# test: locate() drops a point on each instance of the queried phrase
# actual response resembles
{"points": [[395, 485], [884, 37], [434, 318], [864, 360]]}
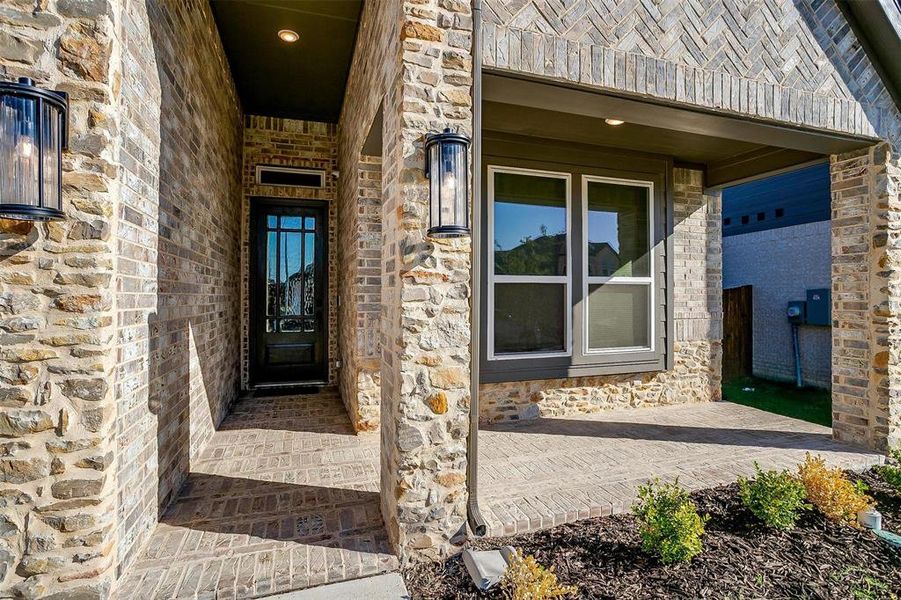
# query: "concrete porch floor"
{"points": [[541, 473], [285, 496]]}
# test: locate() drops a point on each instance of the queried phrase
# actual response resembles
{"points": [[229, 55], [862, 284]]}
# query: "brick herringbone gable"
{"points": [[799, 44], [802, 46]]}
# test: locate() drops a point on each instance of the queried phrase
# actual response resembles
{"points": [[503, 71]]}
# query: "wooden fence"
{"points": [[738, 340]]}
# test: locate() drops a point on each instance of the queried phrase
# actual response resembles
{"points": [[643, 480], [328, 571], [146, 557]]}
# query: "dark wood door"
{"points": [[737, 331], [288, 287]]}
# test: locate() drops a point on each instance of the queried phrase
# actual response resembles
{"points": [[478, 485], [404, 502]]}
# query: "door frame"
{"points": [[253, 301]]}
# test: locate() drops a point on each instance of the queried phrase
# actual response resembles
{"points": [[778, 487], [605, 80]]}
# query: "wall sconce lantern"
{"points": [[447, 167], [33, 133]]}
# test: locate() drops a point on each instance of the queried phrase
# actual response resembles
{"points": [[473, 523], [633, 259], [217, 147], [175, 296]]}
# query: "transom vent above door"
{"points": [[290, 177]]}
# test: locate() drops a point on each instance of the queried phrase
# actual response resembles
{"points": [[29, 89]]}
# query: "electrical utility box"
{"points": [[819, 307]]}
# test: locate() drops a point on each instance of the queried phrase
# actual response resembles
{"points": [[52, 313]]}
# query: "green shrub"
{"points": [[669, 523], [775, 497], [891, 473]]}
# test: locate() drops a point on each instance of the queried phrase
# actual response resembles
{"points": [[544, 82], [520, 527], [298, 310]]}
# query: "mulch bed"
{"points": [[741, 559]]}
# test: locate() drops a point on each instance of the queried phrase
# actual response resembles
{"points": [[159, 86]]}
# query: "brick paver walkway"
{"points": [[537, 474], [285, 496]]}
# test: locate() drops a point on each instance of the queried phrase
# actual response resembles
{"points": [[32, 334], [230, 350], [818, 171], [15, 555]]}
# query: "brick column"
{"points": [[866, 297], [425, 294]]}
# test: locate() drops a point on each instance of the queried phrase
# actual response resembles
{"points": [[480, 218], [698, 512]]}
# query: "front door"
{"points": [[288, 312]]}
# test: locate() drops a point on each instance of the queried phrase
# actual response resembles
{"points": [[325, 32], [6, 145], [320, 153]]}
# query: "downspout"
{"points": [[473, 515]]}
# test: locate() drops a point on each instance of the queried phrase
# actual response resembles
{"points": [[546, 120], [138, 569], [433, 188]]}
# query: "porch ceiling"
{"points": [[727, 148], [303, 80]]}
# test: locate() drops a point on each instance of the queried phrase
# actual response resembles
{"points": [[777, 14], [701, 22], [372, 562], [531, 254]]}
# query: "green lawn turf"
{"points": [[808, 404]]}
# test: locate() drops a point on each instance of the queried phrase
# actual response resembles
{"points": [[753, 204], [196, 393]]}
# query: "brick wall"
{"points": [[782, 264], [866, 277], [697, 348], [359, 287], [374, 64], [299, 144], [795, 62], [57, 477], [178, 317]]}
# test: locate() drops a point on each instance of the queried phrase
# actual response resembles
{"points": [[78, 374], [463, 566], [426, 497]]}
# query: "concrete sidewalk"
{"points": [[389, 586]]}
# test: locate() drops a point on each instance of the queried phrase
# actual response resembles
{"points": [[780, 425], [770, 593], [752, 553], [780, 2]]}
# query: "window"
{"points": [[727, 221], [745, 219], [780, 212], [761, 216], [289, 176], [575, 272], [529, 283], [618, 227]]}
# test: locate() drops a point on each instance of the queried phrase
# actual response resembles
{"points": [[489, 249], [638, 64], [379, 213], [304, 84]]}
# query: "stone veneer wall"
{"points": [[866, 279], [119, 324], [425, 319], [697, 297], [57, 482], [415, 55], [178, 317], [359, 287], [300, 144]]}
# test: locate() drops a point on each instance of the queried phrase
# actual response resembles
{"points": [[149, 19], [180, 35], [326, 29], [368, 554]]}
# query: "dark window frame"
{"points": [[579, 160]]}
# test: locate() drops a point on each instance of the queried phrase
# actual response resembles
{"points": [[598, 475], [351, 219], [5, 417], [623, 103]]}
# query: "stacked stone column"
{"points": [[425, 292], [57, 499], [866, 297]]}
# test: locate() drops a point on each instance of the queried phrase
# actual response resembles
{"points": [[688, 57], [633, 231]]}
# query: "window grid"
{"points": [[277, 228]]}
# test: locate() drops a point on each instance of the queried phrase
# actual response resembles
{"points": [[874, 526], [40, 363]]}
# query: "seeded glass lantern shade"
{"points": [[447, 167], [32, 137]]}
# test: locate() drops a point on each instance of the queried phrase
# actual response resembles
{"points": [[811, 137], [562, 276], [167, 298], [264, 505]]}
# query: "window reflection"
{"points": [[618, 230], [290, 274], [529, 225]]}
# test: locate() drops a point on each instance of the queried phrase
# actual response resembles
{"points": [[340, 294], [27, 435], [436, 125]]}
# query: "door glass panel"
{"points": [[618, 316], [271, 221], [529, 317], [292, 325], [618, 230], [310, 223], [529, 224], [272, 291], [309, 290], [292, 275], [291, 222]]}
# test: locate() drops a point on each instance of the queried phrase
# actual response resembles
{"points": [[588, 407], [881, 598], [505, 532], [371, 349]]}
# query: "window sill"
{"points": [[506, 371]]}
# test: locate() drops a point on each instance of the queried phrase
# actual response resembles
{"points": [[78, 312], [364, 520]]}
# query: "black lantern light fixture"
{"points": [[33, 132], [447, 167]]}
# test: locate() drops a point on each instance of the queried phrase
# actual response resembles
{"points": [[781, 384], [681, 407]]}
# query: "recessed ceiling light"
{"points": [[289, 36], [613, 122]]}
